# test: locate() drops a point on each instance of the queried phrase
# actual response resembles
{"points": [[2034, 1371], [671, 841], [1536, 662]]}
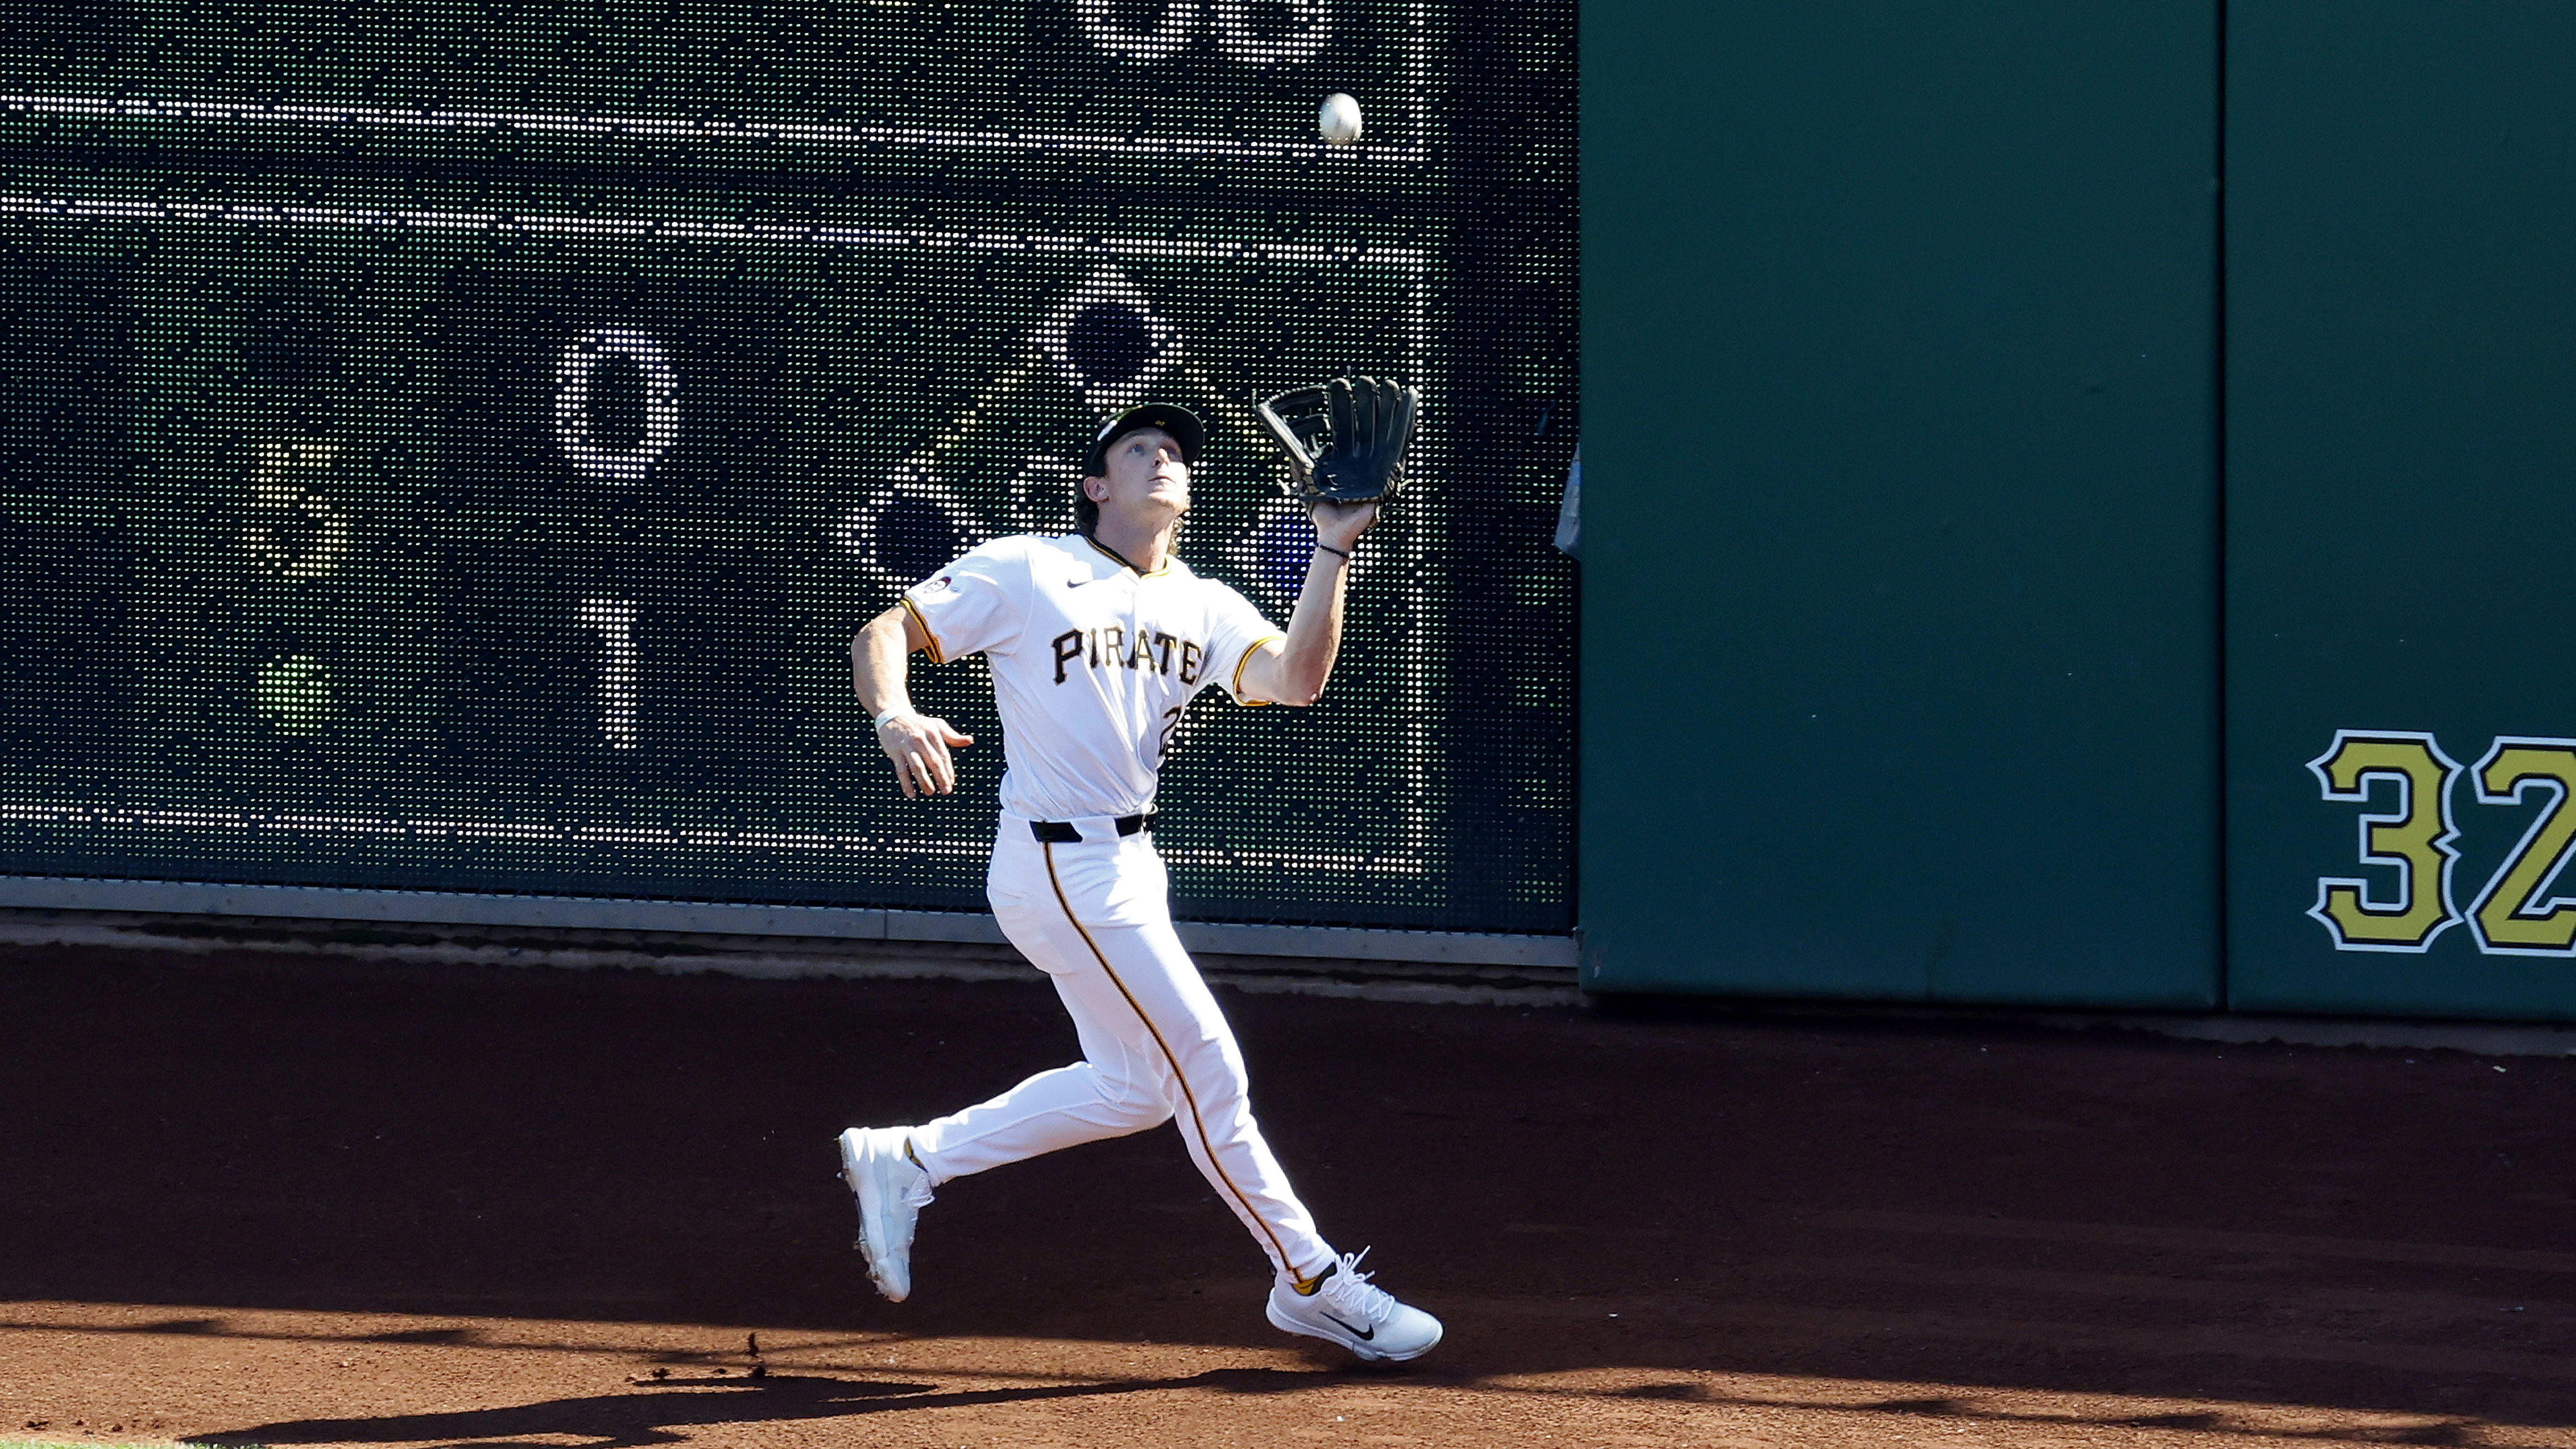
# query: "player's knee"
{"points": [[1143, 1111], [1139, 1101]]}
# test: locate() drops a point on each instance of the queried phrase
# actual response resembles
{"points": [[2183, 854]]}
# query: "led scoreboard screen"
{"points": [[450, 446]]}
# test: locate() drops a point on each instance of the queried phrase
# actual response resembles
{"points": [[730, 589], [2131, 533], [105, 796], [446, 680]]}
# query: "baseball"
{"points": [[1339, 120]]}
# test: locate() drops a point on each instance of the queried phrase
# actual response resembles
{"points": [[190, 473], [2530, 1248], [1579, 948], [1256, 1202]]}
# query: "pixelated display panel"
{"points": [[506, 531], [1236, 80]]}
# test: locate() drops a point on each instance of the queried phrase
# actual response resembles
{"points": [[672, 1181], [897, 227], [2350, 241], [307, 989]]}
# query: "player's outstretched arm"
{"points": [[1293, 671], [916, 743]]}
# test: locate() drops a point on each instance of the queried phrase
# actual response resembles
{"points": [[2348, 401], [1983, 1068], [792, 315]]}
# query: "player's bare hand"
{"points": [[1339, 525], [918, 744]]}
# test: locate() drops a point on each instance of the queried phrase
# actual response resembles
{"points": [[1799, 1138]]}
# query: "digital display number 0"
{"points": [[577, 421]]}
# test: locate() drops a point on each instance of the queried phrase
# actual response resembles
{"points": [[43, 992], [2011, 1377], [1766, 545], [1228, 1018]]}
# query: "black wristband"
{"points": [[1343, 553]]}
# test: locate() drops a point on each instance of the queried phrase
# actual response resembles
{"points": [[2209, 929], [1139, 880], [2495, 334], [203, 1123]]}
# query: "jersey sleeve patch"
{"points": [[976, 604]]}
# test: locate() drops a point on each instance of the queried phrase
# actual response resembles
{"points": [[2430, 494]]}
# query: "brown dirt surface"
{"points": [[294, 1202]]}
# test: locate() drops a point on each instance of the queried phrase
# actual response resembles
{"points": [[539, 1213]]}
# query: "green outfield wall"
{"points": [[1985, 407], [1902, 510]]}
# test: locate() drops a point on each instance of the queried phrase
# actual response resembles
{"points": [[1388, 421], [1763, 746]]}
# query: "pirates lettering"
{"points": [[1112, 647]]}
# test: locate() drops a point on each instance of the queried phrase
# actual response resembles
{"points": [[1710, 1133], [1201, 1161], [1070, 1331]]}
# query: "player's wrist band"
{"points": [[1343, 553], [889, 714]]}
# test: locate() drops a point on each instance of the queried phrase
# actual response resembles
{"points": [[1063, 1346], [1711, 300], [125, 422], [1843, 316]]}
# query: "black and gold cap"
{"points": [[1180, 422]]}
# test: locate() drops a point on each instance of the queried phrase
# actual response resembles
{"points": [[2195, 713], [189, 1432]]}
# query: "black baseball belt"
{"points": [[1064, 832]]}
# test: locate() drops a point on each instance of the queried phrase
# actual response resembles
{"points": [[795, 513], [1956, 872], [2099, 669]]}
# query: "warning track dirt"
{"points": [[274, 1200]]}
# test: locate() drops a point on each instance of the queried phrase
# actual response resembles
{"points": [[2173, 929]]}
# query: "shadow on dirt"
{"points": [[651, 1416]]}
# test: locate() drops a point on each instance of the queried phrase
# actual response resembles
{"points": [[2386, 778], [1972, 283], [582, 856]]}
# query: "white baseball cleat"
{"points": [[1355, 1313], [892, 1189]]}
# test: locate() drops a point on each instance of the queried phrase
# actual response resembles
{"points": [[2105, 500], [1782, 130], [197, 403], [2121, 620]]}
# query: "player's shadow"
{"points": [[654, 1413]]}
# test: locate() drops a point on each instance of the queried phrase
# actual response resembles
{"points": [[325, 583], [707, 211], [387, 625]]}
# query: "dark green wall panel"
{"points": [[2401, 473], [1900, 546]]}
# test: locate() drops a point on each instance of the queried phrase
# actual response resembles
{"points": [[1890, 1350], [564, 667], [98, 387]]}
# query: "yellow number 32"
{"points": [[2510, 917]]}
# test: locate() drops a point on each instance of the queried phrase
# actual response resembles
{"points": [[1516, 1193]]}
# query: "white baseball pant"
{"points": [[1097, 918]]}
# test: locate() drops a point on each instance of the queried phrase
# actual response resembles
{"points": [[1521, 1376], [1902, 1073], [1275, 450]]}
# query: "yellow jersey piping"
{"points": [[936, 655], [1240, 664], [1197, 1123]]}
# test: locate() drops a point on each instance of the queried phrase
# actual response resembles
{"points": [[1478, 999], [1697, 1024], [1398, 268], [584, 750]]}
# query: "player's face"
{"points": [[1146, 475]]}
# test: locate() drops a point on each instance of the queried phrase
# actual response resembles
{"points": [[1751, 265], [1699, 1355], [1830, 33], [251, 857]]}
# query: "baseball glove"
{"points": [[1345, 440]]}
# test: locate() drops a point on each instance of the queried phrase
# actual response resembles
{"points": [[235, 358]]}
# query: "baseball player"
{"points": [[1098, 640]]}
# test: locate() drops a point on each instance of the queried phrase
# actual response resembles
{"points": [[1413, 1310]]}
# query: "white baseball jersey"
{"points": [[1092, 663]]}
